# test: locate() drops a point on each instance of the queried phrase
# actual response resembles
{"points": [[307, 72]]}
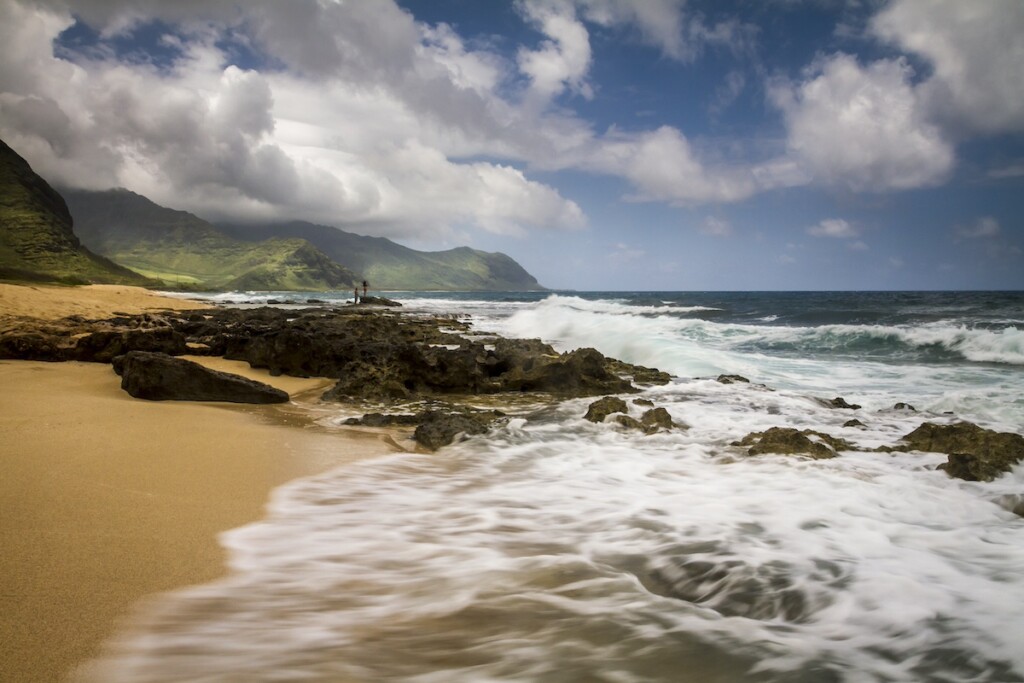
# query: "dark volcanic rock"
{"points": [[382, 420], [905, 406], [790, 441], [582, 372], [975, 453], [853, 423], [732, 379], [603, 407], [32, 346], [104, 346], [159, 377], [840, 403], [646, 402], [378, 301], [439, 428], [655, 419]]}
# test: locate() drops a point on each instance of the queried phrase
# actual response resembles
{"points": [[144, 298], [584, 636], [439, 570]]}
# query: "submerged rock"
{"points": [[790, 441], [603, 407], [905, 406], [975, 453], [853, 423], [159, 377], [732, 379], [840, 403], [437, 428]]}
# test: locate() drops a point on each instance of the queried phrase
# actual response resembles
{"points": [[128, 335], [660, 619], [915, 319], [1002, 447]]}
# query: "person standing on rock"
{"points": [[364, 288], [355, 294]]}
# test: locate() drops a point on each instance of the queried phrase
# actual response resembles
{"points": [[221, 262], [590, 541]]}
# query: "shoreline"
{"points": [[108, 499]]}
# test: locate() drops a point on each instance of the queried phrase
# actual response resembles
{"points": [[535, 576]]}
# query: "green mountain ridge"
{"points": [[37, 240], [391, 266], [183, 250]]}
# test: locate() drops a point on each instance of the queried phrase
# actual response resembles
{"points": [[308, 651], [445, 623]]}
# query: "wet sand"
{"points": [[105, 499]]}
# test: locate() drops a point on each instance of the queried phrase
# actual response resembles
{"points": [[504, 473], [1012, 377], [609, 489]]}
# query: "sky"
{"points": [[603, 144]]}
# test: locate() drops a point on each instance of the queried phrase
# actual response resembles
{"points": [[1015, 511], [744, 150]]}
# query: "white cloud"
{"points": [[862, 127], [984, 228], [360, 123], [976, 50], [834, 227], [662, 166], [563, 60]]}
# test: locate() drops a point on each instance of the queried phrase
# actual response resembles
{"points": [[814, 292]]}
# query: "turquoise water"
{"points": [[554, 549]]}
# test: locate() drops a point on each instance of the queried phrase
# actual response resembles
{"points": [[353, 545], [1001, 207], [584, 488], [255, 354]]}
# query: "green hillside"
{"points": [[181, 249], [37, 242], [387, 265]]}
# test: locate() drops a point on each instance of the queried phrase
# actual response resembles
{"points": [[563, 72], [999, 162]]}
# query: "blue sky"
{"points": [[604, 144]]}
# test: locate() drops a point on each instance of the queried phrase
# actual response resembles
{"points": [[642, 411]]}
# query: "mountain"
{"points": [[181, 249], [37, 242], [387, 265]]}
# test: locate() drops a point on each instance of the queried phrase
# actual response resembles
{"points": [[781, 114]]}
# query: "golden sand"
{"points": [[50, 302], [105, 499]]}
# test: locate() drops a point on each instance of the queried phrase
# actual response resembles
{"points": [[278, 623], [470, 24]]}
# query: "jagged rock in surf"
{"points": [[840, 403], [159, 377], [378, 301], [438, 428], [905, 406], [853, 423], [603, 407], [732, 379], [656, 419], [975, 453], [790, 441]]}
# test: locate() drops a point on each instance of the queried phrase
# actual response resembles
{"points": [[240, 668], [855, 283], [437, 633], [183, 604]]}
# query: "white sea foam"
{"points": [[555, 549]]}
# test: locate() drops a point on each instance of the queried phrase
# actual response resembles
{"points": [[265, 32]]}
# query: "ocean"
{"points": [[558, 550]]}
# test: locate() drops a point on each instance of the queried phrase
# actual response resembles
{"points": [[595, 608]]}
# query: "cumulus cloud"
{"points": [[976, 50], [561, 61], [662, 166], [862, 128], [359, 119]]}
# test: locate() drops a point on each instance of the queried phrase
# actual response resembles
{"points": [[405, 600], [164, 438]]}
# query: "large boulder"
{"points": [[975, 453], [790, 441], [159, 377]]}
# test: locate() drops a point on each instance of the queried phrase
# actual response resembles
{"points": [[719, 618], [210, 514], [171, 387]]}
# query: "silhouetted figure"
{"points": [[364, 288], [355, 295]]}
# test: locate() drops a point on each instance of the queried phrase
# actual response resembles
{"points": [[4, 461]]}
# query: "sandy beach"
{"points": [[106, 499]]}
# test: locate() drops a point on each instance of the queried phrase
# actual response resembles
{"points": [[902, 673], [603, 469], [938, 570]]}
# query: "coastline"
{"points": [[107, 499]]}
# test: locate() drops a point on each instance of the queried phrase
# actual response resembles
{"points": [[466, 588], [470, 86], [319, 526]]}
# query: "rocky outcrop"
{"points": [[975, 453], [440, 428], [790, 441], [159, 377], [732, 379]]}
